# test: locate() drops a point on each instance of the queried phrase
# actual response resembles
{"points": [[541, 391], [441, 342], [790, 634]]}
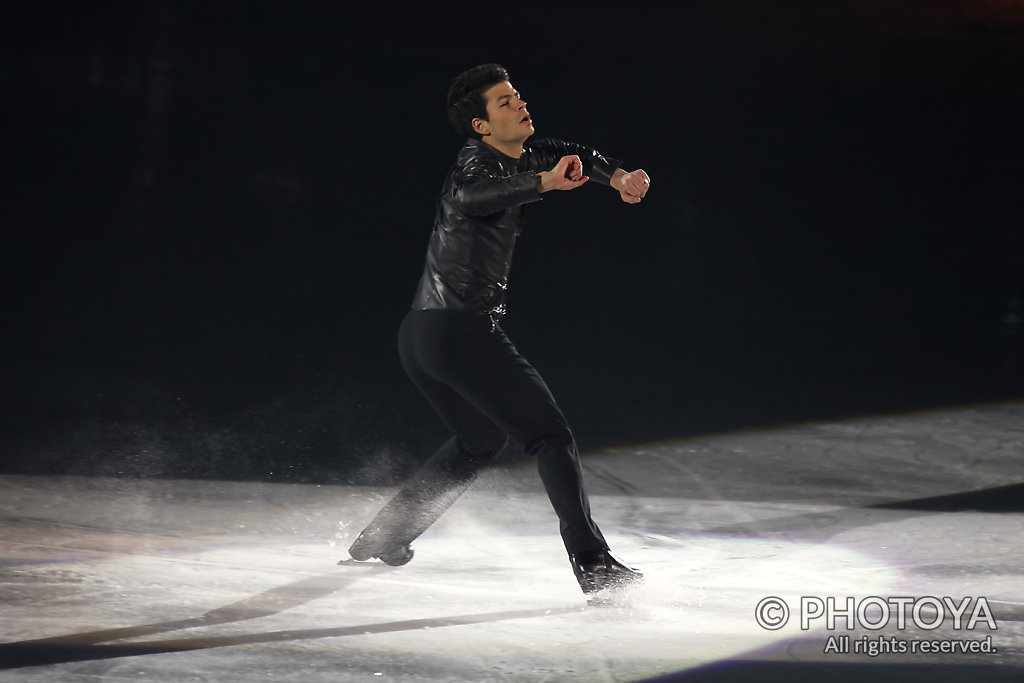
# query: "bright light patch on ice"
{"points": [[480, 597]]}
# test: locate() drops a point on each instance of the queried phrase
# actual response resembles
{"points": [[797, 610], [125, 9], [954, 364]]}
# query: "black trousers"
{"points": [[484, 391]]}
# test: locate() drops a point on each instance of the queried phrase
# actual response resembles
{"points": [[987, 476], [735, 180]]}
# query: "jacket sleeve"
{"points": [[480, 189], [545, 153]]}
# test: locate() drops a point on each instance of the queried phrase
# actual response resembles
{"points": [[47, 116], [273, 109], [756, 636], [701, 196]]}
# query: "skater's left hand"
{"points": [[632, 186]]}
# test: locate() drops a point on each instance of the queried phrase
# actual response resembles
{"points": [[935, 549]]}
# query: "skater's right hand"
{"points": [[567, 174]]}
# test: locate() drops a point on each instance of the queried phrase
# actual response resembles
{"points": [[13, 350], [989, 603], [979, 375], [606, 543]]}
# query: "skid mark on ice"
{"points": [[616, 481], [267, 603], [709, 490], [69, 649]]}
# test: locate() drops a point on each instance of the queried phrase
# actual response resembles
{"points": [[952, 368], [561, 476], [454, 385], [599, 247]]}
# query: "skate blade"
{"points": [[620, 594], [617, 596], [372, 562], [608, 599]]}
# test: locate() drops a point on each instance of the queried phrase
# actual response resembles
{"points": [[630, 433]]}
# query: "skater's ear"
{"points": [[481, 126]]}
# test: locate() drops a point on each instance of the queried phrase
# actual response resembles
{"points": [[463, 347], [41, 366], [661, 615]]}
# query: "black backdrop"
{"points": [[214, 215]]}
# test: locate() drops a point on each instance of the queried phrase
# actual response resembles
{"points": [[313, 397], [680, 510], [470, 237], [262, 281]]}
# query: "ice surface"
{"points": [[170, 580]]}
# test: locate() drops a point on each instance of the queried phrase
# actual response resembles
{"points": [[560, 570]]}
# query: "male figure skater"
{"points": [[452, 344]]}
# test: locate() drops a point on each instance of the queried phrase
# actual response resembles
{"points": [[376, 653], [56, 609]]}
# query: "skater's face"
{"points": [[508, 122]]}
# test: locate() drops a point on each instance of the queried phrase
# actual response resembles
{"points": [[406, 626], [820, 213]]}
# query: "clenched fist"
{"points": [[566, 175], [632, 186]]}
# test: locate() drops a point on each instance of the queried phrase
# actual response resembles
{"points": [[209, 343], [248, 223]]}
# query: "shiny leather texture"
{"points": [[480, 215]]}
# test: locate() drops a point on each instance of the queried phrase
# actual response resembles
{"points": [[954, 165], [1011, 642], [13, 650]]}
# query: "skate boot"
{"points": [[599, 570], [374, 543]]}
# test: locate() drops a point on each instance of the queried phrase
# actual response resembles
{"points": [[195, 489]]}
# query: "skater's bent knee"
{"points": [[561, 440]]}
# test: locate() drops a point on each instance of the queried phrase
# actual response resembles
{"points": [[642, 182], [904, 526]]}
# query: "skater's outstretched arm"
{"points": [[632, 186], [544, 153]]}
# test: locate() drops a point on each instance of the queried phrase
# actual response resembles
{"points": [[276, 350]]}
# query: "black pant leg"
{"points": [[431, 491], [452, 469], [477, 382]]}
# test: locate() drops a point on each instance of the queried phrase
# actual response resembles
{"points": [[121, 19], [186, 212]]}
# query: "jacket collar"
{"points": [[479, 146]]}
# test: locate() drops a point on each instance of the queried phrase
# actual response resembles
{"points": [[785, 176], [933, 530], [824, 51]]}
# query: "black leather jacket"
{"points": [[479, 216]]}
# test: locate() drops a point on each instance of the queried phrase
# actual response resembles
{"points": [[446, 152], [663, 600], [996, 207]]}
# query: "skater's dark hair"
{"points": [[466, 96]]}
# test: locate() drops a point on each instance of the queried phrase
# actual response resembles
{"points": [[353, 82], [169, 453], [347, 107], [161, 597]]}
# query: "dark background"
{"points": [[214, 215]]}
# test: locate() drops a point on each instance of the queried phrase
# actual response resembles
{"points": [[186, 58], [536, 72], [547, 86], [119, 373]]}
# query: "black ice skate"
{"points": [[374, 543], [600, 570]]}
